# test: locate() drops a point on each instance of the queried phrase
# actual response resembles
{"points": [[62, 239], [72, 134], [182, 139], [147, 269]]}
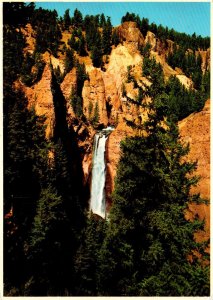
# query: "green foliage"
{"points": [[67, 19], [13, 44], [90, 109], [27, 76], [47, 28], [49, 250], [181, 102], [154, 72], [106, 36], [17, 13], [95, 119], [115, 37], [145, 51], [59, 76], [87, 258], [81, 77], [188, 62], [102, 21], [182, 39], [142, 249], [144, 26], [93, 37], [96, 56], [69, 61], [77, 19], [205, 85], [76, 103], [148, 239], [82, 46], [131, 17], [25, 169], [72, 41]]}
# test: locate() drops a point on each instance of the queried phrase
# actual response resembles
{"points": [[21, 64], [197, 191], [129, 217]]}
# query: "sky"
{"points": [[188, 17]]}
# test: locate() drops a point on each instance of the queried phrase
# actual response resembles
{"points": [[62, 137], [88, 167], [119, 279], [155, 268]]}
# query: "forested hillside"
{"points": [[64, 79]]}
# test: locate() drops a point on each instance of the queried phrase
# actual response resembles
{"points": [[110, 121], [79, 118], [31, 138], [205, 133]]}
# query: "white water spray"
{"points": [[98, 198]]}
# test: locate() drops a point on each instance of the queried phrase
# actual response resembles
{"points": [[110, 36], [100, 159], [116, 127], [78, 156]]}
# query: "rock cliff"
{"points": [[195, 130], [108, 90]]}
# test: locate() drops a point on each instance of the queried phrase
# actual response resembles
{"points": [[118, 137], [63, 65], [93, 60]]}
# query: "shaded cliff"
{"points": [[107, 91]]}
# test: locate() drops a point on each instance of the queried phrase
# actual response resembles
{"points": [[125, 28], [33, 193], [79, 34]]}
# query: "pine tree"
{"points": [[115, 37], [96, 52], [67, 19], [77, 18], [144, 26], [145, 252], [50, 247], [106, 36], [82, 46], [86, 263], [25, 169], [69, 61], [95, 118]]}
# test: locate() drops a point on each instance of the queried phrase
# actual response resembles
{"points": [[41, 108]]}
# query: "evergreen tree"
{"points": [[95, 118], [102, 20], [17, 13], [106, 36], [48, 35], [145, 252], [86, 263], [67, 19], [81, 49], [25, 169], [27, 76], [50, 247], [205, 85], [115, 37], [144, 26], [77, 104], [72, 41], [96, 54], [77, 19], [69, 61], [13, 44], [93, 37]]}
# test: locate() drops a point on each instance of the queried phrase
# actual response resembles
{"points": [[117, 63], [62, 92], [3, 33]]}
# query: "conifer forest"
{"points": [[74, 223]]}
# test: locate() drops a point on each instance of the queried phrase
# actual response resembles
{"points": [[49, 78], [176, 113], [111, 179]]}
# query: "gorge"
{"points": [[106, 133]]}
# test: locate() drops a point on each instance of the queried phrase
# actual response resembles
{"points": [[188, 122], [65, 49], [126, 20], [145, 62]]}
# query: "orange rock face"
{"points": [[68, 86], [106, 90], [130, 35], [94, 95], [40, 97], [195, 129], [30, 36]]}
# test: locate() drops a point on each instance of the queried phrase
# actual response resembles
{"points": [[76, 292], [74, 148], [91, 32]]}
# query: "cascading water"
{"points": [[97, 199]]}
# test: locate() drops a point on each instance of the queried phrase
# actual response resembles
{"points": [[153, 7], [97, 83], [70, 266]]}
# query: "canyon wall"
{"points": [[105, 89]]}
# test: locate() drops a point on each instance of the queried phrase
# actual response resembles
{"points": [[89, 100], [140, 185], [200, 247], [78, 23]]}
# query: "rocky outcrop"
{"points": [[40, 97], [68, 86], [94, 98], [151, 40], [105, 90], [195, 130], [30, 37], [130, 35], [205, 55]]}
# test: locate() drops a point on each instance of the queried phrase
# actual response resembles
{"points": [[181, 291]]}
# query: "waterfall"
{"points": [[98, 199]]}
